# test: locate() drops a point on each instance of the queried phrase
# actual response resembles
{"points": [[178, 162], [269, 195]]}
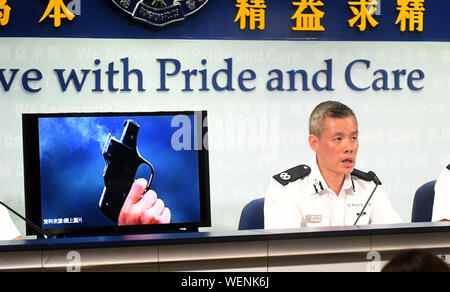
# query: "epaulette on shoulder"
{"points": [[448, 167], [361, 174], [293, 174]]}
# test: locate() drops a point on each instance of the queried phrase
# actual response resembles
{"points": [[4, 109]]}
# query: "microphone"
{"points": [[373, 177], [34, 226]]}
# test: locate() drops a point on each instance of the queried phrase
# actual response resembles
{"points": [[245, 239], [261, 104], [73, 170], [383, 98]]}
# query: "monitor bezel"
{"points": [[32, 183]]}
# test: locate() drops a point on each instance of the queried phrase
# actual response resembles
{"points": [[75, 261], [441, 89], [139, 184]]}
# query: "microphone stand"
{"points": [[34, 226], [377, 183]]}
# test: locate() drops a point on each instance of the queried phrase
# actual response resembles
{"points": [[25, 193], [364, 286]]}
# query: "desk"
{"points": [[318, 249]]}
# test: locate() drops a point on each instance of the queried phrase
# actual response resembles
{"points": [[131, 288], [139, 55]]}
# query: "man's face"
{"points": [[337, 147]]}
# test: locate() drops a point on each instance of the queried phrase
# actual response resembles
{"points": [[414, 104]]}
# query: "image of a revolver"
{"points": [[122, 160]]}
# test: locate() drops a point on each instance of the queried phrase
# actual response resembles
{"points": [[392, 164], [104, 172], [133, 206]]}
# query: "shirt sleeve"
{"points": [[280, 211], [8, 229], [441, 207], [383, 213]]}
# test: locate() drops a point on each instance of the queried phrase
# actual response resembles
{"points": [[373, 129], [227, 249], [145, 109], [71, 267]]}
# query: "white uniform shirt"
{"points": [[8, 229], [308, 202], [441, 206]]}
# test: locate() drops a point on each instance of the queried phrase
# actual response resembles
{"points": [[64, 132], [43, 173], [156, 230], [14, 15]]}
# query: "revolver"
{"points": [[122, 160]]}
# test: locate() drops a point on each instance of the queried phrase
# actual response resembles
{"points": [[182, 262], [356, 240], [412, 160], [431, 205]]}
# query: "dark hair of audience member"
{"points": [[416, 261]]}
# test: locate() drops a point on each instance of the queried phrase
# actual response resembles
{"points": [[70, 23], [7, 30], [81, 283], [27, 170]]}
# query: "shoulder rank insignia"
{"points": [[293, 174], [448, 167], [160, 12], [362, 175]]}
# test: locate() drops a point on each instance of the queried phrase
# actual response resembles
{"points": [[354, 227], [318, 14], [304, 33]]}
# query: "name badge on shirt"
{"points": [[313, 218]]}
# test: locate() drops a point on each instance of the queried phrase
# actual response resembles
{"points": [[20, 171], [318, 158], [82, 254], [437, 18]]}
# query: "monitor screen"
{"points": [[80, 170]]}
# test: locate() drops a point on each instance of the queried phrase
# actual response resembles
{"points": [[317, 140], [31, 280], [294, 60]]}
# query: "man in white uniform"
{"points": [[441, 206], [8, 229], [328, 190]]}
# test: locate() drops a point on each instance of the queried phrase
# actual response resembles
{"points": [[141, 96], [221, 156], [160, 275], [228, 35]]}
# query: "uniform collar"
{"points": [[318, 183]]}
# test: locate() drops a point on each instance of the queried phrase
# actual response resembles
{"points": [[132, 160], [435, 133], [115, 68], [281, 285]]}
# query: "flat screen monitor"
{"points": [[79, 169]]}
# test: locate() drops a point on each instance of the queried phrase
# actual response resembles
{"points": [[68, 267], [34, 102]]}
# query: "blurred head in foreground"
{"points": [[416, 261]]}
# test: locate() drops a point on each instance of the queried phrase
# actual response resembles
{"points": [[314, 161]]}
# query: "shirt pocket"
{"points": [[353, 209]]}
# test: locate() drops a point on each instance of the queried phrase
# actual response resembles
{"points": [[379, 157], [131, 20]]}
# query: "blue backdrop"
{"points": [[103, 19]]}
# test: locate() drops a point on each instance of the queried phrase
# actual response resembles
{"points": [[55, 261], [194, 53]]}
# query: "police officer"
{"points": [[328, 190], [441, 207]]}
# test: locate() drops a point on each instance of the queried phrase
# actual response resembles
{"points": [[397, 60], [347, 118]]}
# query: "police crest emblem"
{"points": [[160, 12]]}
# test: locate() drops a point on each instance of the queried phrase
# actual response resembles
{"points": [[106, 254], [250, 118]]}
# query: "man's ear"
{"points": [[313, 142]]}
